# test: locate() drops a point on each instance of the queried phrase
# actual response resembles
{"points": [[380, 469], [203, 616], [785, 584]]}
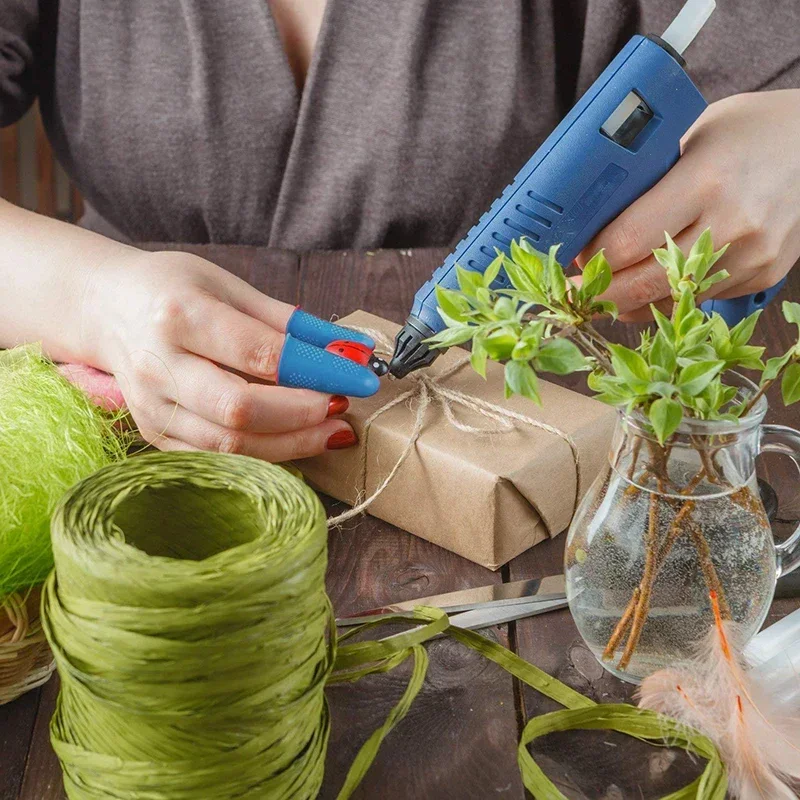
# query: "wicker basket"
{"points": [[25, 658]]}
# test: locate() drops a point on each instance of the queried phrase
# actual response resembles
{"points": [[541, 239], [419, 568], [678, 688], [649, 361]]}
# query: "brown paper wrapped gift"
{"points": [[487, 496]]}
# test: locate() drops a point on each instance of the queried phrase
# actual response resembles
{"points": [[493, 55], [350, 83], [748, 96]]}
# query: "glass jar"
{"points": [[663, 527]]}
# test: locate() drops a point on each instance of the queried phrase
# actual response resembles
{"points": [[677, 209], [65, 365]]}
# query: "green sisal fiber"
{"points": [[51, 437], [194, 639]]}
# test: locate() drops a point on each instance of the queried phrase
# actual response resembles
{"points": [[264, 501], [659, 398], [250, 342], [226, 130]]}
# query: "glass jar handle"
{"points": [[780, 439]]}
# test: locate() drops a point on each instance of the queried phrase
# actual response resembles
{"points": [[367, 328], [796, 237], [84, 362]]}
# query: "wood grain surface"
{"points": [[459, 740]]}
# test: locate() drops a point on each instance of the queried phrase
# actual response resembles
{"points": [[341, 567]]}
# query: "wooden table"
{"points": [[459, 740]]}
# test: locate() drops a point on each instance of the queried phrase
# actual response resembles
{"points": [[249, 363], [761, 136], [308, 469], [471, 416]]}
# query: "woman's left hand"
{"points": [[739, 175]]}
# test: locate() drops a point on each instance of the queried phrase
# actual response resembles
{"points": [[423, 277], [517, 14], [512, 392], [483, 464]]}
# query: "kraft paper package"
{"points": [[487, 496]]}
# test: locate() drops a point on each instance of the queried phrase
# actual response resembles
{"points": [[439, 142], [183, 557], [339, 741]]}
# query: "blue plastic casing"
{"points": [[319, 332], [579, 180]]}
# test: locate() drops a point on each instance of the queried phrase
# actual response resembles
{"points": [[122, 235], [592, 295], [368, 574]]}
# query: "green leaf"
{"points": [[479, 355], [596, 276], [746, 355], [711, 280], [696, 335], [521, 379], [663, 388], [694, 378], [662, 353], [673, 270], [628, 364], [469, 281], [665, 416], [500, 344], [692, 320], [605, 307], [561, 357], [528, 259], [675, 253], [505, 309], [493, 270], [615, 391], [790, 384], [703, 246], [664, 325], [700, 352], [775, 365], [452, 303], [694, 264], [450, 337], [522, 279], [791, 312], [742, 332], [556, 280], [684, 307]]}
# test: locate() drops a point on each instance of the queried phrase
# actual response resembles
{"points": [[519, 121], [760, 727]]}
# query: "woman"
{"points": [[352, 123]]}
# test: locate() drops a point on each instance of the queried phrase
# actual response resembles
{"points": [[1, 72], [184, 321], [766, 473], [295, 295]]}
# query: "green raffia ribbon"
{"points": [[194, 639]]}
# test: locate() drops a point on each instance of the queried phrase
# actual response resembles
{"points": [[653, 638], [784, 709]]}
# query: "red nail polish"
{"points": [[338, 404], [341, 439]]}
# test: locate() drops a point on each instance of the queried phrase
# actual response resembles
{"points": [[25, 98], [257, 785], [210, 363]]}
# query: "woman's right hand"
{"points": [[190, 346]]}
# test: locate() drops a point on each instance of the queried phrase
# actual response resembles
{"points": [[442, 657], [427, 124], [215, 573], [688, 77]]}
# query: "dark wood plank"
{"points": [[459, 739], [17, 721], [383, 282], [9, 164], [76, 205], [45, 168], [43, 772], [274, 272]]}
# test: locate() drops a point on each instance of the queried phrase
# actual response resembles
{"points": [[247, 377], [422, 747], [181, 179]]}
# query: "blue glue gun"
{"points": [[615, 144], [325, 357]]}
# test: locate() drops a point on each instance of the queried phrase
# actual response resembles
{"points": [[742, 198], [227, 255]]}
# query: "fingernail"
{"points": [[338, 404], [341, 439]]}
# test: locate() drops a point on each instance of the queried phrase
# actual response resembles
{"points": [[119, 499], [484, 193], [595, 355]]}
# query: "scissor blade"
{"points": [[499, 594], [490, 614]]}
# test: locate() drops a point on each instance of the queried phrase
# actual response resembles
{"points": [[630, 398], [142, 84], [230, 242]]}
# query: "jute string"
{"points": [[424, 390]]}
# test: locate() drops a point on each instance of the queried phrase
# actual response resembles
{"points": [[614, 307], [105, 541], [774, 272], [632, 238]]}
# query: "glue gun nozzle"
{"points": [[378, 366], [410, 350]]}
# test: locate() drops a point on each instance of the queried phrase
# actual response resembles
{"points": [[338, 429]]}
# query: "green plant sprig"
{"points": [[544, 323]]}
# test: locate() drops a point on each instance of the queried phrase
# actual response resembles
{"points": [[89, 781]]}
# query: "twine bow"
{"points": [[425, 389]]}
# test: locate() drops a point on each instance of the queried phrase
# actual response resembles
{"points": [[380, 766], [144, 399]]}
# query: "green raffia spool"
{"points": [[194, 640], [190, 625]]}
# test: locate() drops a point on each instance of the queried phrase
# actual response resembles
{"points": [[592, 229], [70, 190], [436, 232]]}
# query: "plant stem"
{"points": [[643, 603], [637, 446], [622, 626], [709, 570], [757, 396], [589, 346]]}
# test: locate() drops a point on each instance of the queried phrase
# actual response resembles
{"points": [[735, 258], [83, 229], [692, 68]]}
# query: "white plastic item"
{"points": [[781, 675], [688, 23], [773, 640]]}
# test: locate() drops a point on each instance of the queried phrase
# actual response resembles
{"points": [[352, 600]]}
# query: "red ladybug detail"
{"points": [[354, 351]]}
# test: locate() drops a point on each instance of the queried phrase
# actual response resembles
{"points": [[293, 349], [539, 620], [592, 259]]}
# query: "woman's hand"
{"points": [[179, 333], [739, 175]]}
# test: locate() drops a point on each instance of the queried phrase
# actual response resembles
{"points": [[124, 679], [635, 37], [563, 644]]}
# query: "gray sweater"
{"points": [[181, 121]]}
